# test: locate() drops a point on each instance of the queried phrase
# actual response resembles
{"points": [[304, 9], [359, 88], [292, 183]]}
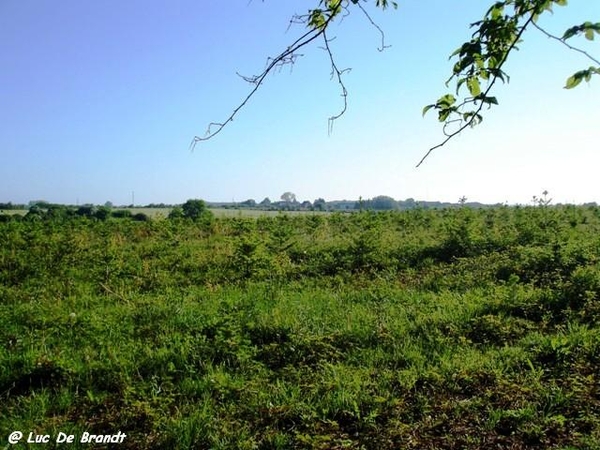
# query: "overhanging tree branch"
{"points": [[474, 117], [288, 56], [480, 61], [318, 21]]}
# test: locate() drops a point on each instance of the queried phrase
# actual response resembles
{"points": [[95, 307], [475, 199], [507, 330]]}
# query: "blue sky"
{"points": [[101, 99]]}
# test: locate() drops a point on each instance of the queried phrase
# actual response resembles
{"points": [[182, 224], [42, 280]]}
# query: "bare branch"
{"points": [[569, 46], [337, 73], [288, 58], [383, 46], [285, 57]]}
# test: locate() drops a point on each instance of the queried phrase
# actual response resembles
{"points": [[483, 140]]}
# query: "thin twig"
{"points": [[383, 46], [282, 58], [569, 46], [335, 72]]}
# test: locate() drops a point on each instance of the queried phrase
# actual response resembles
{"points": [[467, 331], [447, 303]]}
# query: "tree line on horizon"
{"points": [[287, 202]]}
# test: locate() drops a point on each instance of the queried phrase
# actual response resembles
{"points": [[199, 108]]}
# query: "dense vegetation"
{"points": [[419, 329]]}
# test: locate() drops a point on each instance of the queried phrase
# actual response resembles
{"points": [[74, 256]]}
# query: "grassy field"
{"points": [[223, 212], [451, 329], [157, 213]]}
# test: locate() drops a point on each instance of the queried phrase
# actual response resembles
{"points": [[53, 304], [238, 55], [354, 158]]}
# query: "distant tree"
{"points": [[409, 203], [39, 203], [288, 197], [319, 205], [266, 202], [108, 205], [195, 209], [383, 202], [306, 204], [250, 203]]}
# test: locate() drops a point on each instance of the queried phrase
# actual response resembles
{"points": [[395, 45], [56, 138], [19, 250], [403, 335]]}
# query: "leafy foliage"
{"points": [[194, 209], [481, 60]]}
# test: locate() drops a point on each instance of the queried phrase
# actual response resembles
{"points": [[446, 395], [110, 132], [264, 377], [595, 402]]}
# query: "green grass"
{"points": [[421, 329]]}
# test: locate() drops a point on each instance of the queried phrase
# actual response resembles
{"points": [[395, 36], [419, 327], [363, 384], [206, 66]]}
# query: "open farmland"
{"points": [[447, 329], [157, 213], [247, 212]]}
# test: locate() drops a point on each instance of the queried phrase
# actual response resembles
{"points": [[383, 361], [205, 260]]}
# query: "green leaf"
{"points": [[472, 118], [383, 4], [334, 6], [443, 115], [587, 28], [570, 33], [317, 19], [573, 81], [446, 101], [496, 11], [578, 77], [427, 108], [474, 87], [455, 52], [489, 100]]}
